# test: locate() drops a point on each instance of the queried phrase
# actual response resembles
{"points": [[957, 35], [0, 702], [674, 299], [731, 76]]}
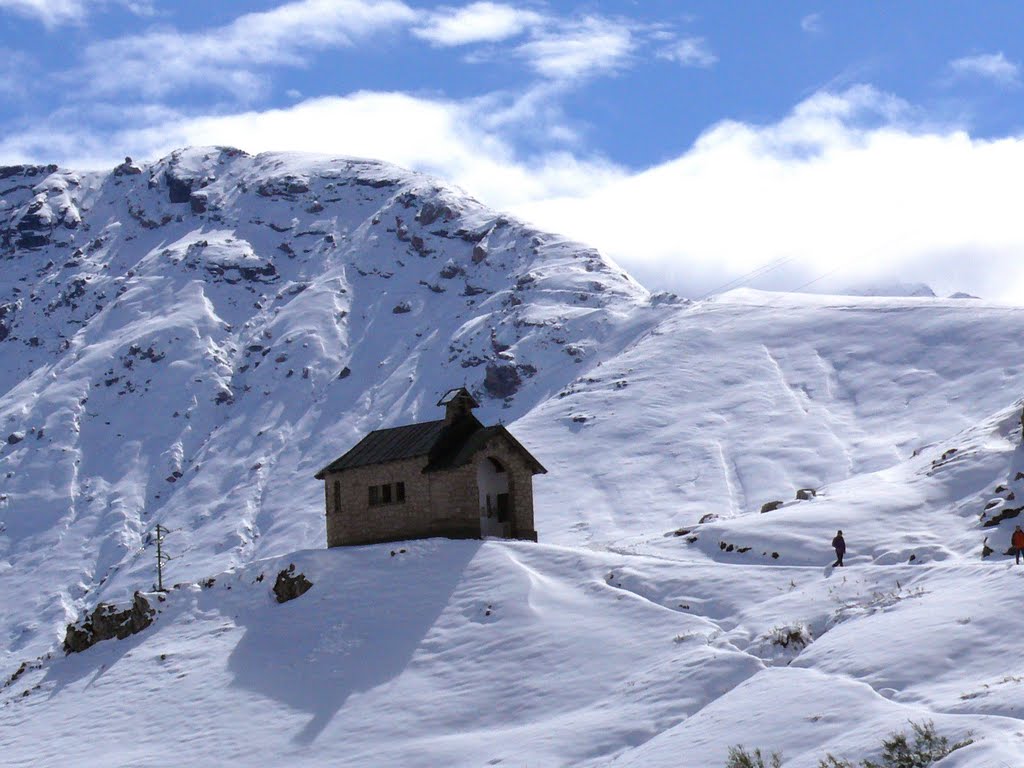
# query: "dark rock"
{"points": [[1008, 513], [287, 187], [127, 168], [402, 307], [804, 494], [32, 240], [524, 280], [179, 189], [708, 517], [431, 212], [479, 253], [290, 585], [771, 506], [501, 381], [197, 201], [106, 623], [7, 319], [374, 183], [6, 171], [344, 373], [419, 246], [450, 270]]}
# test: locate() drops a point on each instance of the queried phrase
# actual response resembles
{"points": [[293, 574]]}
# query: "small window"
{"points": [[385, 494], [400, 492], [374, 495]]}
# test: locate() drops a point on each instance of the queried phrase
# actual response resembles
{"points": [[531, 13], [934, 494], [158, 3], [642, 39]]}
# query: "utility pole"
{"points": [[161, 558]]}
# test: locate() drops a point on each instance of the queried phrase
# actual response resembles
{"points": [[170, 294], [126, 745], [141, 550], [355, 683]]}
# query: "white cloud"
{"points": [[878, 203], [690, 52], [15, 73], [229, 57], [993, 66], [846, 184], [812, 24], [54, 13], [476, 23], [576, 49]]}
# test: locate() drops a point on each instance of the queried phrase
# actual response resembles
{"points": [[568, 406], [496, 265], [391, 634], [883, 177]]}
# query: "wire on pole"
{"points": [[161, 557]]}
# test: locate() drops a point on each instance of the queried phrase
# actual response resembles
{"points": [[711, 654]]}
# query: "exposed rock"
{"points": [[7, 171], [15, 437], [806, 493], [106, 622], [431, 212], [451, 269], [290, 585], [127, 168], [501, 381], [287, 186], [7, 319], [1007, 513], [402, 307], [419, 246], [479, 253], [771, 506], [179, 189]]}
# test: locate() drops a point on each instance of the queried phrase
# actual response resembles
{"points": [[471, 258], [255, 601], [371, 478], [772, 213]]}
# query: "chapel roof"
{"points": [[446, 443]]}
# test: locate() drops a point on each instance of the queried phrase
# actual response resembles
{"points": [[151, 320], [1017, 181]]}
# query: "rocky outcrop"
{"points": [[290, 584], [106, 623], [127, 168], [502, 381]]}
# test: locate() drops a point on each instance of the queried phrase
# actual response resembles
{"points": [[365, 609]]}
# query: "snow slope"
{"points": [[188, 343]]}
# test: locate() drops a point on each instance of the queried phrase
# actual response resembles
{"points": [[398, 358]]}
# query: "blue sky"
{"points": [[867, 141]]}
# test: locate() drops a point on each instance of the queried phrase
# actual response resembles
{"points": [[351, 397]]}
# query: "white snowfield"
{"points": [[189, 343]]}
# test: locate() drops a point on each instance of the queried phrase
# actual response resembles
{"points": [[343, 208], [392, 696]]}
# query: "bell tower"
{"points": [[457, 404]]}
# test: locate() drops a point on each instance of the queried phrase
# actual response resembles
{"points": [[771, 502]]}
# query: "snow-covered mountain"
{"points": [[186, 342]]}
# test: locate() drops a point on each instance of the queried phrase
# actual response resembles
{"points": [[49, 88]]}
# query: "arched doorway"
{"points": [[492, 481]]}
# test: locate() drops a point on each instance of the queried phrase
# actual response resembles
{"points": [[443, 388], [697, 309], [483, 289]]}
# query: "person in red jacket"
{"points": [[1017, 542]]}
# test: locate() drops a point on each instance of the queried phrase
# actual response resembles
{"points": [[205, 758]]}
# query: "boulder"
{"points": [[290, 584], [806, 493], [106, 623], [771, 506]]}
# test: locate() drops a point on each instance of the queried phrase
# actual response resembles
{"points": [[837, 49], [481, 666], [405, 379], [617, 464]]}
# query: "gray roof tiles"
{"points": [[446, 444]]}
